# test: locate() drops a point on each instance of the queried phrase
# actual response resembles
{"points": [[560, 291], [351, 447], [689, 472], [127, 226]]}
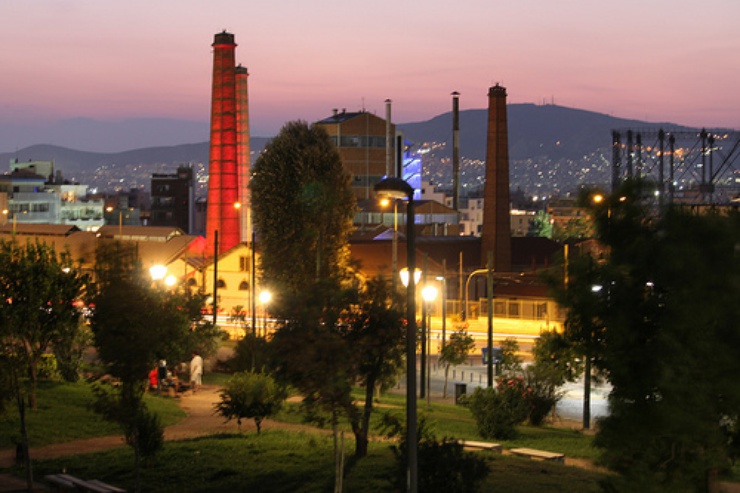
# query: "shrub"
{"points": [[47, 368], [498, 410], [443, 466], [250, 395], [543, 395]]}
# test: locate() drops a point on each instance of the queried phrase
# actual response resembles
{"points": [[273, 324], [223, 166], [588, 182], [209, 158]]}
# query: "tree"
{"points": [[455, 351], [302, 205], [250, 395], [667, 322], [40, 289], [376, 339], [541, 225], [131, 334]]}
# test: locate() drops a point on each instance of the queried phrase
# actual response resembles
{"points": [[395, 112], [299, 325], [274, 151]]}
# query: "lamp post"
{"points": [[428, 294], [265, 297], [394, 258], [444, 307], [396, 188]]}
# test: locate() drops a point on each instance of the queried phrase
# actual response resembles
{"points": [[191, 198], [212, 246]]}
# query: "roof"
{"points": [[39, 229], [341, 117]]}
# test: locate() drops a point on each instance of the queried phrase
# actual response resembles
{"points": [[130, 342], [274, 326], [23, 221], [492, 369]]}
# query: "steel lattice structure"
{"points": [[690, 166]]}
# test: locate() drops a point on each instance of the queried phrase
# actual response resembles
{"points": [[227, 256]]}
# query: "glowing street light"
{"points": [[265, 298], [158, 272]]}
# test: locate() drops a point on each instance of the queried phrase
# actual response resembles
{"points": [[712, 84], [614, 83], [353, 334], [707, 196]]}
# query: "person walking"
{"points": [[196, 371]]}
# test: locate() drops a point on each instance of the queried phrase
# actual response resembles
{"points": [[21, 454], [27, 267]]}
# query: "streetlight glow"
{"points": [[429, 293], [404, 273], [158, 272]]}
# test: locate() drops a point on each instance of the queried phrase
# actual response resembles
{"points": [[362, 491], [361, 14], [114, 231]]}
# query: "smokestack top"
{"points": [[241, 70], [223, 38], [497, 90]]}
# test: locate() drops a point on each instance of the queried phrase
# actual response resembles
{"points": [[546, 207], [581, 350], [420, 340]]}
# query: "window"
{"points": [[244, 263], [221, 284], [244, 286]]}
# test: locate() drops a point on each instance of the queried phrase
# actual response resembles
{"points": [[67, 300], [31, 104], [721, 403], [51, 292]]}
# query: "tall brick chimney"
{"points": [[496, 234], [223, 181], [243, 151]]}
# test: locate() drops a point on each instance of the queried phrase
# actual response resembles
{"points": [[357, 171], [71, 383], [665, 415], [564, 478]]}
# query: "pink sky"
{"points": [[656, 60]]}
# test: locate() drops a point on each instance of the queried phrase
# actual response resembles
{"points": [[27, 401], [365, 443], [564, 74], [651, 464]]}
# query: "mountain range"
{"points": [[544, 133]]}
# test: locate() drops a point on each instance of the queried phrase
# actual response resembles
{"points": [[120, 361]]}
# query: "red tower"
{"points": [[496, 234], [223, 182], [243, 151]]}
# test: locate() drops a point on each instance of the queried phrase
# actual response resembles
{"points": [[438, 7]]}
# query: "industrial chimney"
{"points": [[496, 234]]}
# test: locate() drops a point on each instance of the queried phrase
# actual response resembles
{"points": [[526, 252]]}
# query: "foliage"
{"points": [[664, 329], [69, 347], [302, 204], [250, 352], [454, 352], [251, 395], [130, 334], [498, 410], [142, 428], [443, 466], [559, 355], [39, 288], [511, 362], [542, 382], [541, 225]]}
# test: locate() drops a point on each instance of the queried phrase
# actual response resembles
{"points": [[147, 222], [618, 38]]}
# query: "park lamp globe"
{"points": [[158, 272]]}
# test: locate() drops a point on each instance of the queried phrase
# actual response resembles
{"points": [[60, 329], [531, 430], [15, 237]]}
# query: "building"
{"points": [[172, 199], [361, 139]]}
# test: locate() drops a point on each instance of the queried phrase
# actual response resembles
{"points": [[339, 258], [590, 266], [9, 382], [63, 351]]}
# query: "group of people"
{"points": [[163, 378]]}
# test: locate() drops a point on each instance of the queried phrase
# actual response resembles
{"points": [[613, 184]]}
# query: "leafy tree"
{"points": [[250, 395], [666, 335], [39, 288], [376, 339], [302, 205], [130, 334], [455, 351], [511, 362], [541, 225]]}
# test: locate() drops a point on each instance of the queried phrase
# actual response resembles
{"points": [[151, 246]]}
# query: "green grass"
{"points": [[64, 414], [452, 421], [280, 461]]}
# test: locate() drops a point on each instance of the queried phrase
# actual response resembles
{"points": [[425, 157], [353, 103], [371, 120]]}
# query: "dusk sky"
{"points": [[656, 60]]}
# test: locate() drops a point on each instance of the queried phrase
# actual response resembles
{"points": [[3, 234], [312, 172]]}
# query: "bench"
{"points": [[538, 454], [469, 444], [65, 482]]}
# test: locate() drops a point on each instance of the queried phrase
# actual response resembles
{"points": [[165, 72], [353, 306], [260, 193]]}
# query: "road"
{"points": [[570, 406]]}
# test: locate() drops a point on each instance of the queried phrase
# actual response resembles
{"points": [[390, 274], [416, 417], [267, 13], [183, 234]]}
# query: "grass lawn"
{"points": [[448, 420], [63, 415], [280, 461]]}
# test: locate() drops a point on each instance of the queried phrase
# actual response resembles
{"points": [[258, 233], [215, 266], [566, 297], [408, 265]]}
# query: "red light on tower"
{"points": [[223, 181]]}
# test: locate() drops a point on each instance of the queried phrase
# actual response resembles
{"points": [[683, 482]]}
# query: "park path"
{"points": [[200, 421]]}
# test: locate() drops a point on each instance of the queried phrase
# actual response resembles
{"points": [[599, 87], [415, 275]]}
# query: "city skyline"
{"points": [[667, 61]]}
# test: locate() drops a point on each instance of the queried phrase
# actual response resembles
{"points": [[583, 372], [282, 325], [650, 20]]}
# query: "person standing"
{"points": [[196, 371]]}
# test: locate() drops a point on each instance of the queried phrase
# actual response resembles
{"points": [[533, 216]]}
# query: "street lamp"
{"points": [[396, 188], [394, 259], [158, 272], [444, 307], [265, 298], [428, 294]]}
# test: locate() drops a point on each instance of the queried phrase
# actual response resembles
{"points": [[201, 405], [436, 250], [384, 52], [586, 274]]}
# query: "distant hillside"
{"points": [[552, 149], [103, 136], [534, 131], [72, 162]]}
